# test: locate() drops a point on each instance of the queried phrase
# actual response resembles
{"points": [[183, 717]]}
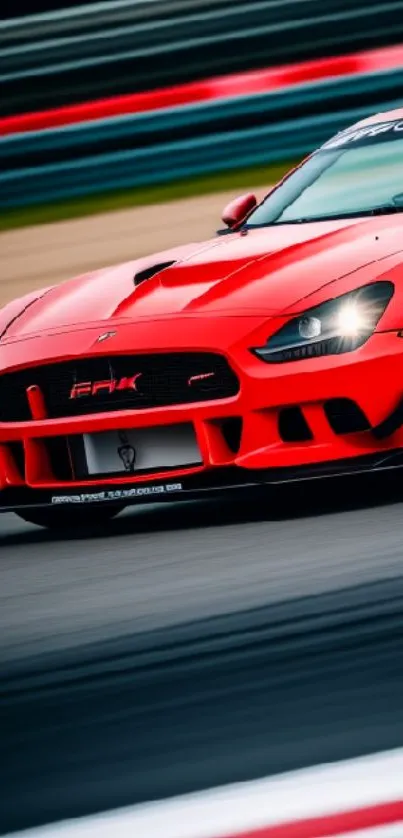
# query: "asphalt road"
{"points": [[158, 566], [114, 689]]}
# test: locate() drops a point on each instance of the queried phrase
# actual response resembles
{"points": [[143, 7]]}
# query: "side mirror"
{"points": [[237, 210]]}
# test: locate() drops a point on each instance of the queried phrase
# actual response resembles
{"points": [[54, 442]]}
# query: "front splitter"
{"points": [[213, 481]]}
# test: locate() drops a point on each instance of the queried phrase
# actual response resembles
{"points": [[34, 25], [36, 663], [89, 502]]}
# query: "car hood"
{"points": [[264, 272]]}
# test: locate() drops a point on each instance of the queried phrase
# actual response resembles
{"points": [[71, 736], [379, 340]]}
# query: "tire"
{"points": [[69, 517]]}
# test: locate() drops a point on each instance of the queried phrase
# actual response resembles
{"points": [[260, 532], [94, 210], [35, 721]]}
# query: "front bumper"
{"points": [[371, 378], [195, 487]]}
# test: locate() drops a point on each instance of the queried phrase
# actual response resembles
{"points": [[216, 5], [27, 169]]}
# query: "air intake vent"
{"points": [[17, 451], [231, 429], [345, 416], [293, 426], [60, 457], [148, 273]]}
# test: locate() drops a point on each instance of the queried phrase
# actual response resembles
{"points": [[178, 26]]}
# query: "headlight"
{"points": [[340, 325]]}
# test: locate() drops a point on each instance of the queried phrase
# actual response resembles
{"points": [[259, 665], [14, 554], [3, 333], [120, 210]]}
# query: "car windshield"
{"points": [[358, 172]]}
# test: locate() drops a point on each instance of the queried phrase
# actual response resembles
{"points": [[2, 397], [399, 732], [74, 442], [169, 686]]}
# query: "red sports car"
{"points": [[272, 353]]}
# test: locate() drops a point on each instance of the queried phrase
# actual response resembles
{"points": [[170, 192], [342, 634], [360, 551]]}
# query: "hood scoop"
{"points": [[148, 273]]}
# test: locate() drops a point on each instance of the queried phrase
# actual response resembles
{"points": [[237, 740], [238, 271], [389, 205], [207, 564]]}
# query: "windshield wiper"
{"points": [[384, 209], [396, 206]]}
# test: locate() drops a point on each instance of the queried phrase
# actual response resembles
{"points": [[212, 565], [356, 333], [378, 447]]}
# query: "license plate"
{"points": [[141, 449]]}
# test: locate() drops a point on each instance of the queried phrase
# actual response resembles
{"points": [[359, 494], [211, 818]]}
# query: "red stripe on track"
{"points": [[221, 87], [385, 814]]}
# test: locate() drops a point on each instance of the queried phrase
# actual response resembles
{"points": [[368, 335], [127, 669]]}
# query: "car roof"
{"points": [[397, 113]]}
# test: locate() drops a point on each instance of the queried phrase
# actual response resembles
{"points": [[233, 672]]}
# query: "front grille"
{"points": [[160, 380]]}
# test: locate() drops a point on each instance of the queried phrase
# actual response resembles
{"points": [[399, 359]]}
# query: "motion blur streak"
{"points": [[221, 87], [356, 797]]}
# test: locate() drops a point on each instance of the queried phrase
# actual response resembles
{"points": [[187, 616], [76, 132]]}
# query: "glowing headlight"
{"points": [[352, 320], [340, 325]]}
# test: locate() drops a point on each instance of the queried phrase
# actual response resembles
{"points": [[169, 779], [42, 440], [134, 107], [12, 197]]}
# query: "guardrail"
{"points": [[142, 45], [59, 13], [166, 145]]}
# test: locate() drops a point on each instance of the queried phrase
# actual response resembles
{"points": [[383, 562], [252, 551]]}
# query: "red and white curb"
{"points": [[352, 799]]}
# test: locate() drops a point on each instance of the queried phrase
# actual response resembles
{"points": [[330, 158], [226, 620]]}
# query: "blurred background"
{"points": [[125, 127], [97, 98], [130, 105]]}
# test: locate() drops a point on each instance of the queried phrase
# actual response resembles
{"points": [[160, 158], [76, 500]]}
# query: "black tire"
{"points": [[69, 517]]}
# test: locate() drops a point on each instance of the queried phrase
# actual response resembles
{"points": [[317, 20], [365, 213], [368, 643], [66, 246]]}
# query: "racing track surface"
{"points": [[195, 645]]}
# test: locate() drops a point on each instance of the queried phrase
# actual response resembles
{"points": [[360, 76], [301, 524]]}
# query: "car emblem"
{"points": [[105, 336], [106, 386]]}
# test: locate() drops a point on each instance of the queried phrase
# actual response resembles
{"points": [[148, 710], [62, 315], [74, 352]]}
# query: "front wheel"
{"points": [[69, 517]]}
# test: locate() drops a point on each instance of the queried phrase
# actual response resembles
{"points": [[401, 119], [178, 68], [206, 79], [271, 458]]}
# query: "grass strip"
{"points": [[123, 199]]}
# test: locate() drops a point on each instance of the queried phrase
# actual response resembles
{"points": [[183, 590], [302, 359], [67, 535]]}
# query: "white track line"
{"points": [[313, 792]]}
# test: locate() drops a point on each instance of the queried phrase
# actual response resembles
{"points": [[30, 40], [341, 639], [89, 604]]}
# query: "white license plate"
{"points": [[141, 449]]}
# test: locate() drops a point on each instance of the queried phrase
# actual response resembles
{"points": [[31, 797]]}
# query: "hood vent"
{"points": [[147, 273]]}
